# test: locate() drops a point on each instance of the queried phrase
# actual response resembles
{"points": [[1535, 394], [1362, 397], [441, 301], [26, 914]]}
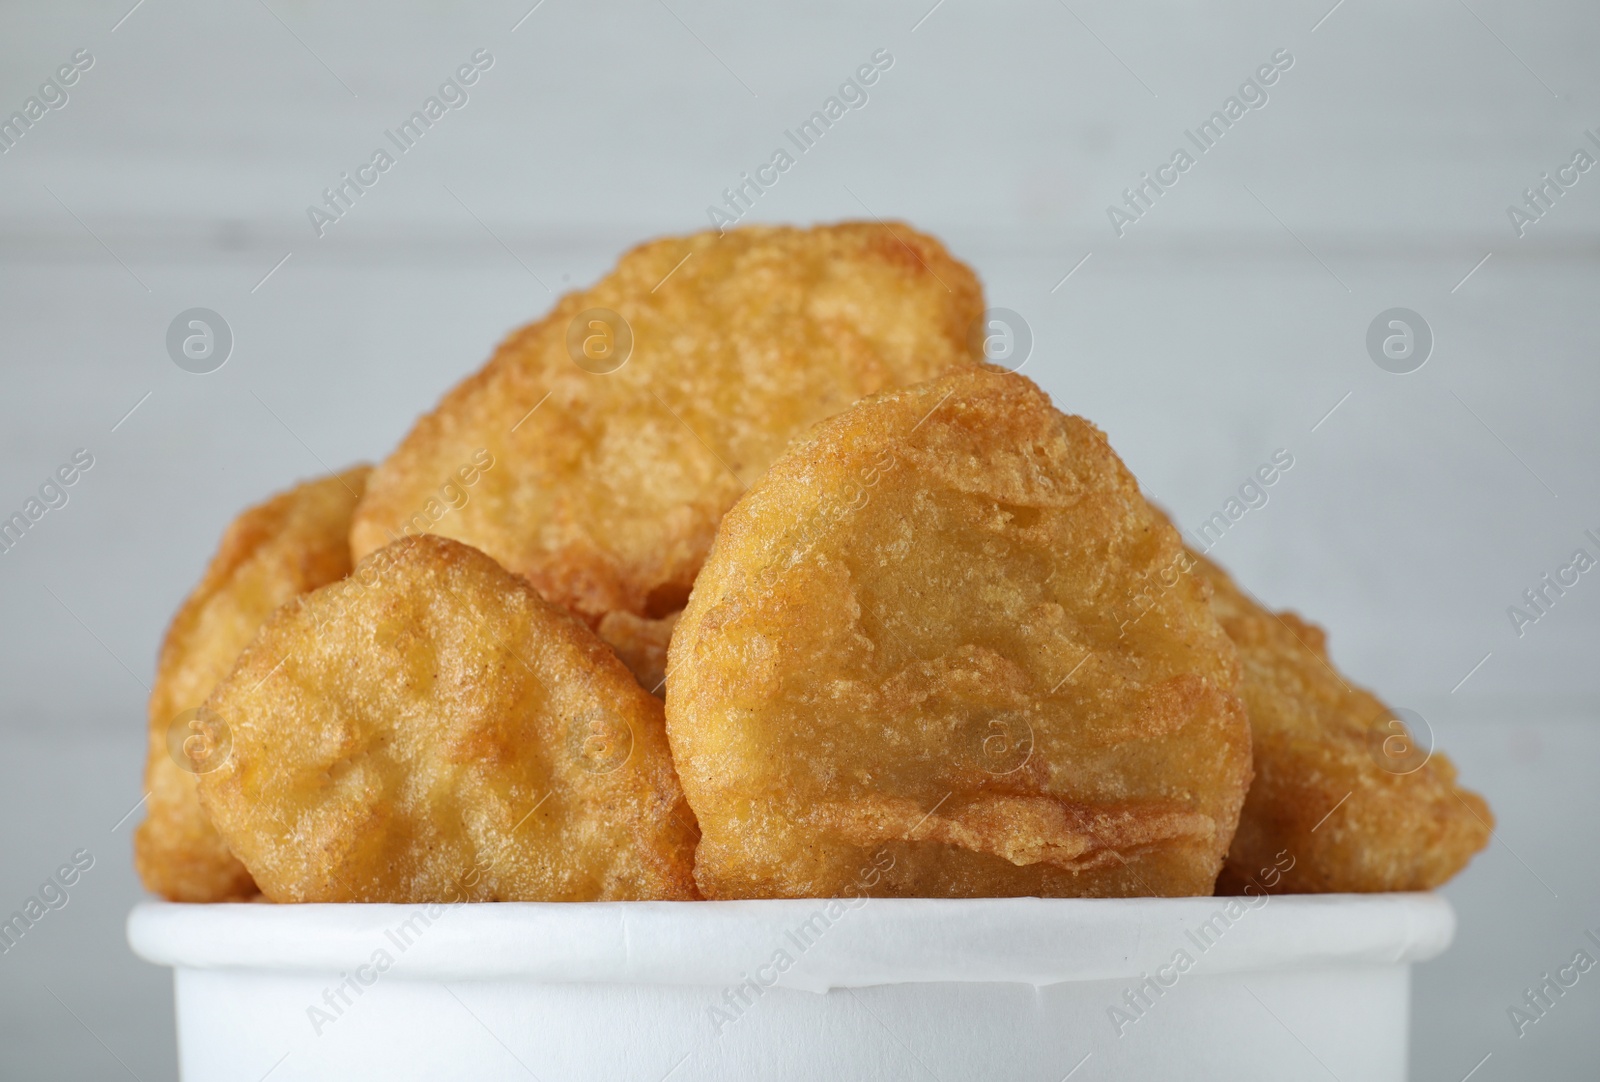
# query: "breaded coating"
{"points": [[295, 542], [642, 645], [944, 648], [430, 729], [609, 481], [1343, 799]]}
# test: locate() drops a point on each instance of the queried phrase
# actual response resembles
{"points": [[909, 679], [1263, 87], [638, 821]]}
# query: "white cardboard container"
{"points": [[1281, 988]]}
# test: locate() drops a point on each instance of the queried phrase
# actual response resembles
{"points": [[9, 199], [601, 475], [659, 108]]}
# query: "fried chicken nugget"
{"points": [[1344, 798], [430, 729], [293, 543], [641, 644], [934, 653], [610, 481]]}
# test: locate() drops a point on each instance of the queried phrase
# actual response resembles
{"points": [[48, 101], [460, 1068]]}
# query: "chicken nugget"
{"points": [[293, 543], [935, 652], [641, 644], [430, 729], [625, 423], [1345, 798]]}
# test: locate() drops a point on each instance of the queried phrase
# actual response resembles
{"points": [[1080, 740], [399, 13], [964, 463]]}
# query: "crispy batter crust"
{"points": [[642, 646], [607, 488], [430, 729], [295, 542], [944, 648], [1321, 746]]}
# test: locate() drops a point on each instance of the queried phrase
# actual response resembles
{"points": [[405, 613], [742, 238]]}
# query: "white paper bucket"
{"points": [[1286, 988]]}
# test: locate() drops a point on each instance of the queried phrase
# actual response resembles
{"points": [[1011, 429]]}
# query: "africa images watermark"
{"points": [[1138, 199], [1144, 599], [199, 340], [52, 895], [338, 200], [1138, 999], [738, 200], [52, 497], [402, 935], [51, 97], [1252, 496], [737, 999], [1540, 999], [453, 496], [1541, 597], [1539, 199]]}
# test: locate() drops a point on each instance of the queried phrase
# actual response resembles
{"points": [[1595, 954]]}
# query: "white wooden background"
{"points": [[1224, 325]]}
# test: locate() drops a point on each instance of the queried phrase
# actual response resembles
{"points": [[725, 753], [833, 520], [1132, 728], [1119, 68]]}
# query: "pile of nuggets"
{"points": [[743, 575]]}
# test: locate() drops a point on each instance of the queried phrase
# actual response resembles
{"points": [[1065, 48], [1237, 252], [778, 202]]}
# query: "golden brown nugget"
{"points": [[610, 481], [933, 654], [293, 543], [430, 729], [1344, 799], [641, 644]]}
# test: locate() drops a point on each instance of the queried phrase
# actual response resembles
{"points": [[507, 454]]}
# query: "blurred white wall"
{"points": [[1223, 325]]}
